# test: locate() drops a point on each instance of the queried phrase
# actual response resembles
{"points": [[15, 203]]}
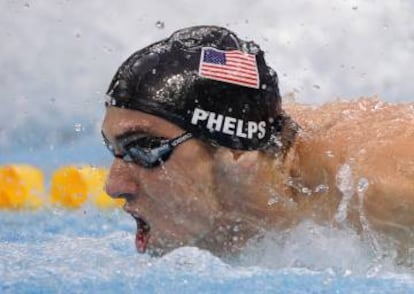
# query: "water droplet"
{"points": [[230, 109], [26, 5], [107, 49], [306, 191], [78, 127], [246, 21], [378, 105], [78, 35], [373, 271], [264, 86], [363, 185], [329, 153], [250, 47], [154, 71], [344, 183], [316, 86], [355, 7], [322, 188], [160, 24], [272, 201]]}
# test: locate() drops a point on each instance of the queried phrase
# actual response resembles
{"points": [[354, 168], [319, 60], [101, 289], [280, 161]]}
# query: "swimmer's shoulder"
{"points": [[374, 137]]}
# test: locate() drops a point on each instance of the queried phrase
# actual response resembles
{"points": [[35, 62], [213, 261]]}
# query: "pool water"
{"points": [[87, 250]]}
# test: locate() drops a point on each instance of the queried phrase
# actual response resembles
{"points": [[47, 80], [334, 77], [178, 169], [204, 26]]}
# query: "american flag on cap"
{"points": [[235, 67]]}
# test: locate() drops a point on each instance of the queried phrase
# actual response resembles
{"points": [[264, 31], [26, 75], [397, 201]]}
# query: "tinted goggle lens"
{"points": [[147, 151]]}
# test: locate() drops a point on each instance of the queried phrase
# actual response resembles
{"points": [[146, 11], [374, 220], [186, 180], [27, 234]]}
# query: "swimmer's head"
{"points": [[203, 83], [207, 81]]}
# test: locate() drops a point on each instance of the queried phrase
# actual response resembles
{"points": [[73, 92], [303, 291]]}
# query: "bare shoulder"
{"points": [[366, 130], [375, 138]]}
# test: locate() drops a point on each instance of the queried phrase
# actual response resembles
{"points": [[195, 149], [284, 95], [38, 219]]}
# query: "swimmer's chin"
{"points": [[221, 242], [148, 239]]}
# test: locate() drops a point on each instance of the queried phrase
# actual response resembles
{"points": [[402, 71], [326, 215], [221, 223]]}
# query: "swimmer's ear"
{"points": [[284, 137], [290, 129]]}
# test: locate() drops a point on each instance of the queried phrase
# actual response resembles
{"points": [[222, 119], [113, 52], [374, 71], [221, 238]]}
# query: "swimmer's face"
{"points": [[174, 203]]}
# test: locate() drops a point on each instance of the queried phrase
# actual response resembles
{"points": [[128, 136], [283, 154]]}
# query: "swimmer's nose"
{"points": [[120, 182]]}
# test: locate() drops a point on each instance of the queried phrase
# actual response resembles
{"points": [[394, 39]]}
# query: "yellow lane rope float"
{"points": [[22, 187], [72, 186]]}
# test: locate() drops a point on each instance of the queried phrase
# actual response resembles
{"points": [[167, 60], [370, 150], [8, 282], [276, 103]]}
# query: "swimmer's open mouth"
{"points": [[142, 236]]}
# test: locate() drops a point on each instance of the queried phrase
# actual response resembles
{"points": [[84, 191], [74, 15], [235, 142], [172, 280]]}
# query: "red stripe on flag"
{"points": [[229, 68], [237, 61], [231, 73], [241, 54], [233, 80]]}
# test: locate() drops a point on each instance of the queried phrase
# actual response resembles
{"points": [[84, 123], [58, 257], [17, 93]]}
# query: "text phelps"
{"points": [[229, 125]]}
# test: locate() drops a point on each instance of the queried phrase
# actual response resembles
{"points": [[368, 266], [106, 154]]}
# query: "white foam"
{"points": [[317, 247]]}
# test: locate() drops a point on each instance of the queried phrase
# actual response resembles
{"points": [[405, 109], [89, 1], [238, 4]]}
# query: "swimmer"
{"points": [[205, 156]]}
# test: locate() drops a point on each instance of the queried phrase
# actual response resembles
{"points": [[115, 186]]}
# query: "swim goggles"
{"points": [[145, 150]]}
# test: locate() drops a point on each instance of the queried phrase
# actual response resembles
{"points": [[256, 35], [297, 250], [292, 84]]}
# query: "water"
{"points": [[87, 250]]}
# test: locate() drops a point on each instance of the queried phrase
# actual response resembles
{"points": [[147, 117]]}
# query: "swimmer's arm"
{"points": [[389, 199]]}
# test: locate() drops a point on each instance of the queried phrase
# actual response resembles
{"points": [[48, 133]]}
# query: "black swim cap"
{"points": [[207, 81]]}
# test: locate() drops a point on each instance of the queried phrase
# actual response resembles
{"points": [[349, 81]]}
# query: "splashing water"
{"points": [[345, 184], [311, 246], [88, 249], [160, 25]]}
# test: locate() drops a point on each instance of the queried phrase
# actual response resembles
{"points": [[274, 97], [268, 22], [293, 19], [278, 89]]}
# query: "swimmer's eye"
{"points": [[146, 143], [145, 150]]}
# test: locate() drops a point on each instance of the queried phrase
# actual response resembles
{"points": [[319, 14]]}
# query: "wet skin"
{"points": [[200, 196], [175, 199], [376, 141], [217, 198]]}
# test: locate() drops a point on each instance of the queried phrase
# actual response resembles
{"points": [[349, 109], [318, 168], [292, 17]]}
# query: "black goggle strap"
{"points": [[181, 139]]}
